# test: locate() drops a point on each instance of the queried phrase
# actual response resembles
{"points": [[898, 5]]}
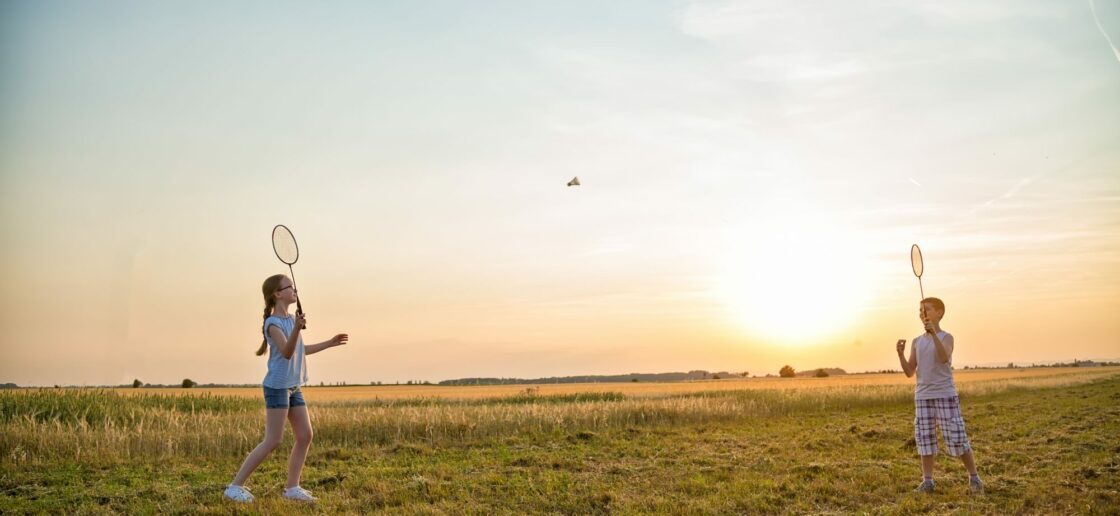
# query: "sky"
{"points": [[753, 176]]}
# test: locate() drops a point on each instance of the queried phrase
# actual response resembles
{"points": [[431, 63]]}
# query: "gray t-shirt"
{"points": [[284, 373], [935, 380]]}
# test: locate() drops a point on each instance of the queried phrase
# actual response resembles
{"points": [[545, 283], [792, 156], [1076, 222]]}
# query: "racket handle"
{"points": [[299, 312]]}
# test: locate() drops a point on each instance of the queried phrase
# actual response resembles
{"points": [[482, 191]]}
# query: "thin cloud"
{"points": [[1100, 27]]}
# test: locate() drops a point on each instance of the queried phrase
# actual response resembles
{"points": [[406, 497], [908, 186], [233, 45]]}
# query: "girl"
{"points": [[287, 371]]}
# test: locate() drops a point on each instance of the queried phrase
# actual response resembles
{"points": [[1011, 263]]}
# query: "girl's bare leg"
{"points": [[301, 427], [273, 434]]}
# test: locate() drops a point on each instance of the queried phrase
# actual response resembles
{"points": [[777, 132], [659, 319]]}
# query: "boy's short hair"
{"points": [[937, 303]]}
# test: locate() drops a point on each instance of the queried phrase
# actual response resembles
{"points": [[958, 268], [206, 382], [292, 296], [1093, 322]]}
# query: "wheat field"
{"points": [[964, 379], [372, 444]]}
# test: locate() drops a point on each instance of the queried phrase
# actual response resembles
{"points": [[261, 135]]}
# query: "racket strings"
{"points": [[286, 249], [284, 244], [917, 264]]}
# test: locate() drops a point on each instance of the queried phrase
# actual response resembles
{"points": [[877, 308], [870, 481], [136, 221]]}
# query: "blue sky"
{"points": [[754, 174]]}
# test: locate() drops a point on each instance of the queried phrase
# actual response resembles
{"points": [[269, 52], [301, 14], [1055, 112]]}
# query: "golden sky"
{"points": [[754, 174]]}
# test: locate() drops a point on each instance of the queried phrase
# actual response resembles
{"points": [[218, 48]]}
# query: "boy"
{"points": [[935, 397]]}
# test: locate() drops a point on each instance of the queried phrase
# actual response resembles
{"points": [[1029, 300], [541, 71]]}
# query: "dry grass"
{"points": [[736, 446], [965, 381], [106, 424]]}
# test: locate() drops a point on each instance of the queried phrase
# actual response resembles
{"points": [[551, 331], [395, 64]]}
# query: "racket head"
{"points": [[916, 260], [284, 244]]}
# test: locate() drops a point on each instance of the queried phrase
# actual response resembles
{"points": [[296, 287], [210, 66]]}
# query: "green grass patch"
{"points": [[1043, 450]]}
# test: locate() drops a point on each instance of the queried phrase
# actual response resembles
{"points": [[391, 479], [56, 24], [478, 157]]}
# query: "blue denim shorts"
{"points": [[283, 398]]}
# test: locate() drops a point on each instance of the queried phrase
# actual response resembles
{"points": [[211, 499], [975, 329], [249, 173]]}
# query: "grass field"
{"points": [[635, 389], [1046, 441]]}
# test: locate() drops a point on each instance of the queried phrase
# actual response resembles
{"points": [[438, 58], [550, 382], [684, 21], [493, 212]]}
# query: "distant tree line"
{"points": [[787, 371], [632, 377], [1075, 363]]}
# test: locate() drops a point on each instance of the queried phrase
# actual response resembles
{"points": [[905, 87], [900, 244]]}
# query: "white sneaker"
{"points": [[298, 493], [238, 494]]}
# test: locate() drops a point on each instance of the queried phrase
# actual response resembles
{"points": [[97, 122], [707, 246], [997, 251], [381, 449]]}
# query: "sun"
{"points": [[795, 278]]}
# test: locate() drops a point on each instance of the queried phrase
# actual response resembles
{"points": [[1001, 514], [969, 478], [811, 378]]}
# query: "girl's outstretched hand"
{"points": [[340, 339]]}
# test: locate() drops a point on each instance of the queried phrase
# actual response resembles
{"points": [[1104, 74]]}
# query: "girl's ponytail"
{"points": [[264, 341], [268, 289]]}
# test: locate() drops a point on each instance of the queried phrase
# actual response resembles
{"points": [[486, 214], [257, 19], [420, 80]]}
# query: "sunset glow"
{"points": [[797, 277], [753, 174]]}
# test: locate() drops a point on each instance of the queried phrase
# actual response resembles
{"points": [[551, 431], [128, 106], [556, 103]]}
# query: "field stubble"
{"points": [[43, 425]]}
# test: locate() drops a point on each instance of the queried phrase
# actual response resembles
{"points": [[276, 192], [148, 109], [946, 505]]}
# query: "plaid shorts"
{"points": [[946, 413]]}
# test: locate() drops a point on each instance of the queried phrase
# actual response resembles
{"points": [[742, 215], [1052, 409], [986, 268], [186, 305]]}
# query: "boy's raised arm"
{"points": [[944, 349], [908, 366]]}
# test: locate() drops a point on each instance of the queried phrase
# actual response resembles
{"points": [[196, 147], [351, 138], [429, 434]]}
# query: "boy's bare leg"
{"points": [[974, 483], [927, 465], [927, 475], [969, 463]]}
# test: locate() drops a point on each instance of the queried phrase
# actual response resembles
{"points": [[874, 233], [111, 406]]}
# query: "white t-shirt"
{"points": [[935, 380], [284, 373]]}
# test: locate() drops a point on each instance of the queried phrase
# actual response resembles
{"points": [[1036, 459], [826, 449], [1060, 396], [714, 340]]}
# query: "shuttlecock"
{"points": [[574, 181]]}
